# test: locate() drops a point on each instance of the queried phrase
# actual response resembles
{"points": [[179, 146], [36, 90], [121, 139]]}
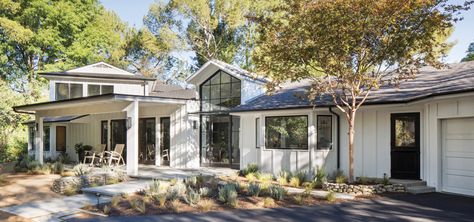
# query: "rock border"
{"points": [[363, 189]]}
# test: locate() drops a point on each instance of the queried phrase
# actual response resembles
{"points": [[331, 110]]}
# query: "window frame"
{"points": [[317, 132], [288, 148], [208, 83], [257, 133], [68, 90], [47, 138]]}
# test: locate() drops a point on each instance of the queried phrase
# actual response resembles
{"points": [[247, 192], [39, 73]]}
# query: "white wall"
{"points": [[184, 150], [437, 110], [120, 87], [275, 160]]}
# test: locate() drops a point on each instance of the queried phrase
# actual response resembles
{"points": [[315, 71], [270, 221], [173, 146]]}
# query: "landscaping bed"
{"points": [[203, 194]]}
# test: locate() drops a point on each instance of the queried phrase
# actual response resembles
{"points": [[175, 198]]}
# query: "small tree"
{"points": [[470, 53], [348, 48]]}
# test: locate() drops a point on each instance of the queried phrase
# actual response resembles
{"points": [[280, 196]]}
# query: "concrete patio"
{"points": [[168, 173]]}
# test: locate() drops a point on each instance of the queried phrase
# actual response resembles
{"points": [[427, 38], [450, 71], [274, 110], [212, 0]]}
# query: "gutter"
{"points": [[338, 133]]}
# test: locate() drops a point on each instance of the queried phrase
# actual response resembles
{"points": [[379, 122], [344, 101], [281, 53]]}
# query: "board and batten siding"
{"points": [[184, 150], [437, 110], [372, 139], [276, 160]]}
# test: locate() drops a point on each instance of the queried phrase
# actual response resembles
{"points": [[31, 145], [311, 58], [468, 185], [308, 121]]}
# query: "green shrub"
{"points": [[3, 180], [205, 205], [251, 177], [176, 192], [154, 187], [58, 167], [191, 181], [363, 180], [161, 199], [192, 197], [299, 199], [295, 181], [320, 176], [331, 197], [82, 170], [301, 176], [200, 180], [115, 200], [106, 209], [340, 177], [174, 206], [173, 181], [228, 195], [205, 191], [251, 168], [277, 192], [268, 202], [254, 189], [283, 177]]}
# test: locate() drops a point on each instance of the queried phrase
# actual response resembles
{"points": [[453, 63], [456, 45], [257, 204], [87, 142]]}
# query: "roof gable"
{"points": [[100, 68], [212, 66]]}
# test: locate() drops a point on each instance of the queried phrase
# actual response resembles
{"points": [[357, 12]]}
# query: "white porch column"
{"points": [[132, 138], [39, 138]]}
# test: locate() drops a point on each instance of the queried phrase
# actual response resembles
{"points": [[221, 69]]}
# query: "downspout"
{"points": [[144, 88], [338, 133]]}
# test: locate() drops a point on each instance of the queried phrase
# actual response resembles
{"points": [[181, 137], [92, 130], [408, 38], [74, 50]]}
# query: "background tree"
{"points": [[219, 29], [45, 35], [470, 53], [348, 48]]}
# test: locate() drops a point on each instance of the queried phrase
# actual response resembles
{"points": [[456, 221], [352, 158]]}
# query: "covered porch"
{"points": [[138, 122]]}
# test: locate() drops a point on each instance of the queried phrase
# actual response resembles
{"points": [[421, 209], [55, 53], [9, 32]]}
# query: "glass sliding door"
{"points": [[146, 142], [220, 141], [118, 135], [165, 140]]}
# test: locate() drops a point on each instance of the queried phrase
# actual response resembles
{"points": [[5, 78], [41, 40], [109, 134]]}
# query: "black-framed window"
{"points": [[46, 138], [93, 90], [324, 132], [107, 89], [258, 141], [68, 91], [31, 131], [220, 92], [75, 90], [286, 132], [405, 130], [62, 91]]}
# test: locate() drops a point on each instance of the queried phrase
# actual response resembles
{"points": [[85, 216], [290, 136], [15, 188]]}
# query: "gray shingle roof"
{"points": [[162, 89], [457, 78]]}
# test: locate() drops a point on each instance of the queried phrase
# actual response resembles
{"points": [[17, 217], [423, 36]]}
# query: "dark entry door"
{"points": [[118, 135], [165, 141], [60, 139], [405, 146], [146, 142]]}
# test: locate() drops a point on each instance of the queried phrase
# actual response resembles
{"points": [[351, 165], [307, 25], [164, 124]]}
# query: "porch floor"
{"points": [[168, 173]]}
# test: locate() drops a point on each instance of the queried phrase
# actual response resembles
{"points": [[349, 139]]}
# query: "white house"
{"points": [[422, 130]]}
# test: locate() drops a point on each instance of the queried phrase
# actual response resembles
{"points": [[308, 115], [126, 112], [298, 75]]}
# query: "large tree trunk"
{"points": [[351, 133]]}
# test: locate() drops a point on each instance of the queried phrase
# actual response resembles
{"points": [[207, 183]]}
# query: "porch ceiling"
{"points": [[93, 105]]}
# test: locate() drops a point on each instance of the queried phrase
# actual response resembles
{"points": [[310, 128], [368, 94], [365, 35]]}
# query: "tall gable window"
{"points": [[220, 92]]}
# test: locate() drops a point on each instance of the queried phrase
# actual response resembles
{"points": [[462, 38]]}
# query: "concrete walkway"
{"points": [[53, 209], [128, 187], [168, 173]]}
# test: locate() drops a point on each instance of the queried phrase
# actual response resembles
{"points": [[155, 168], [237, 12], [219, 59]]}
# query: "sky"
{"points": [[133, 11]]}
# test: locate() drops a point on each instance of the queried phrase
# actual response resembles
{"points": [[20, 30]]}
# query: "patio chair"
{"points": [[115, 155], [97, 154], [150, 152]]}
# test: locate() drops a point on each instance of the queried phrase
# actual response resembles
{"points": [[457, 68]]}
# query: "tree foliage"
{"points": [[470, 53], [348, 48], [219, 29]]}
